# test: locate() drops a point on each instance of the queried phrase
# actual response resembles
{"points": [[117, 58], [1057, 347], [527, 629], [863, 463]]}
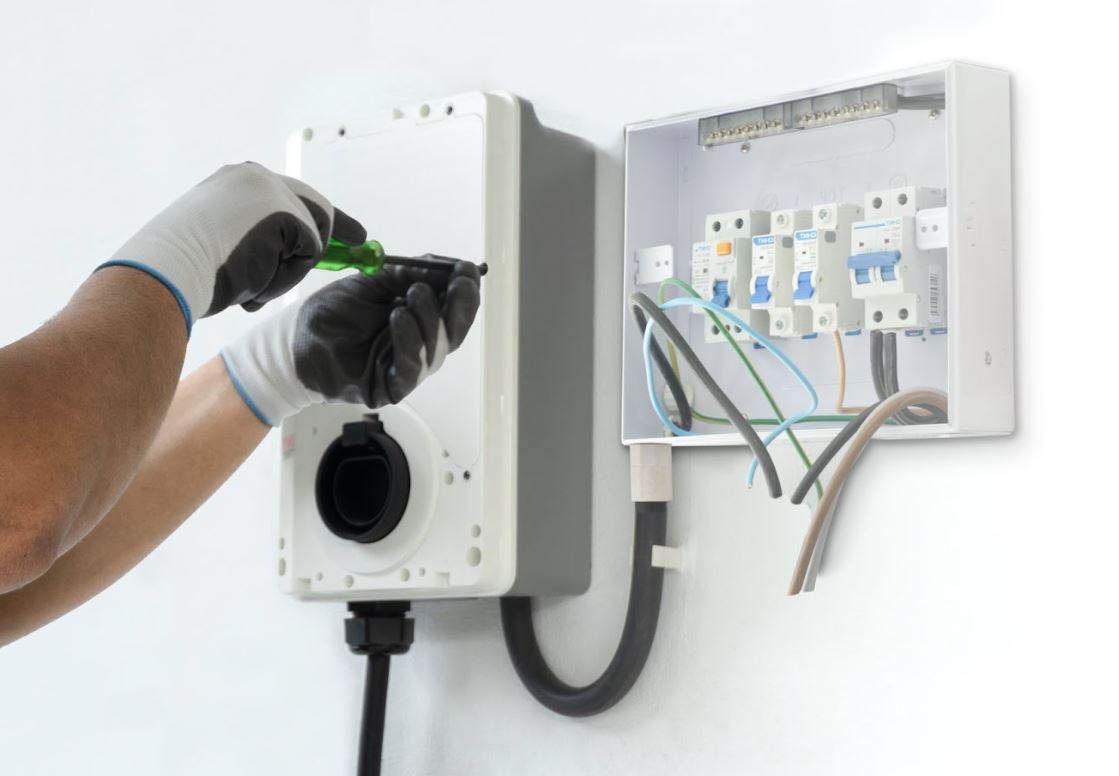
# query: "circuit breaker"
{"points": [[900, 284], [721, 265], [478, 483], [821, 288], [772, 272]]}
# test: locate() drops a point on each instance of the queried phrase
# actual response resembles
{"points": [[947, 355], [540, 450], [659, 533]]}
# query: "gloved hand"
{"points": [[363, 339], [245, 235]]}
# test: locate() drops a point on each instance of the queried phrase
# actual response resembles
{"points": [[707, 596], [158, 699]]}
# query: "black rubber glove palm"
{"points": [[373, 339]]}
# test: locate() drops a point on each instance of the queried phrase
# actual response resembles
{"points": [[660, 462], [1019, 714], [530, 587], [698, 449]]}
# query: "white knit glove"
{"points": [[245, 235], [363, 339]]}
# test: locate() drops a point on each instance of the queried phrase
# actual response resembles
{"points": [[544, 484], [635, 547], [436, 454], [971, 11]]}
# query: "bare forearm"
{"points": [[80, 400], [207, 434]]}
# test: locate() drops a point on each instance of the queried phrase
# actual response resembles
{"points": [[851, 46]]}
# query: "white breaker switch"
{"points": [[771, 272], [720, 260], [821, 290], [902, 287]]}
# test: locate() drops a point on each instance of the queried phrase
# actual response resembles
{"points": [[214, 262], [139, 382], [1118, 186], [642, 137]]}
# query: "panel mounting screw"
{"points": [[823, 321], [745, 148], [779, 325], [934, 114]]}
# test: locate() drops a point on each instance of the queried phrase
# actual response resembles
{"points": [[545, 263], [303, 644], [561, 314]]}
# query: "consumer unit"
{"points": [[828, 223], [478, 484]]}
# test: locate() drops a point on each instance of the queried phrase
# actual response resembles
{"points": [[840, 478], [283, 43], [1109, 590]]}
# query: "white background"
{"points": [[964, 621]]}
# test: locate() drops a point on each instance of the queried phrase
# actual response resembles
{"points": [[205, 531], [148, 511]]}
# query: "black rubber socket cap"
{"points": [[363, 483]]}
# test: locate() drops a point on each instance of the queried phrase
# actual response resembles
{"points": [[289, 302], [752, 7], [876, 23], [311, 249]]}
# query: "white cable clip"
{"points": [[669, 558]]}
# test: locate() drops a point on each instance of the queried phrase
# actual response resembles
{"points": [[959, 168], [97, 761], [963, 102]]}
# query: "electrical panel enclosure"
{"points": [[879, 207], [485, 463]]}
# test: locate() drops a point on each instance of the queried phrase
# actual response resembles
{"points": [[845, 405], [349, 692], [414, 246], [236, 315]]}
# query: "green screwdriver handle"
{"points": [[368, 257]]}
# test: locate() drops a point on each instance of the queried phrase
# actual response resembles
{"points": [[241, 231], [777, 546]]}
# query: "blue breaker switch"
{"points": [[720, 293], [761, 293], [804, 288], [863, 263]]}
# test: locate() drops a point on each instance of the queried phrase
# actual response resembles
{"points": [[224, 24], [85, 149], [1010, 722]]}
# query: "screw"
{"points": [[987, 358], [903, 313], [934, 114], [308, 134], [878, 316], [745, 148], [779, 325], [823, 214], [823, 321]]}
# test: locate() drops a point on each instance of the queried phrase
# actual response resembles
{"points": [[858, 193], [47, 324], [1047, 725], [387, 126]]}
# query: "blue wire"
{"points": [[780, 429]]}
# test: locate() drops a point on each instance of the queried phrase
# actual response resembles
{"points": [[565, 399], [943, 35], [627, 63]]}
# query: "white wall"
{"points": [[964, 621]]}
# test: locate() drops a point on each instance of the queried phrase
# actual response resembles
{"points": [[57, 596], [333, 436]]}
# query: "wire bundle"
{"points": [[918, 406]]}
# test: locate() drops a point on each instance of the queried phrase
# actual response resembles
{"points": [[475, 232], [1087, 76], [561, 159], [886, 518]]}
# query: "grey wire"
{"points": [[829, 452], [876, 365], [679, 395], [737, 419], [890, 373]]}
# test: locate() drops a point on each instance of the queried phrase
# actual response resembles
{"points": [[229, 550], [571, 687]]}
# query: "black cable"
{"points": [[642, 613], [679, 395], [371, 737], [378, 631], [765, 461], [876, 365], [829, 452]]}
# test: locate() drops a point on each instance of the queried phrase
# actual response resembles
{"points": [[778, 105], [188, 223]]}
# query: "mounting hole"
{"points": [[876, 202], [282, 567], [738, 223], [341, 131], [466, 474], [716, 226], [473, 556], [903, 314], [425, 111], [877, 316], [449, 109], [348, 581], [475, 531], [405, 575], [308, 134], [903, 198], [448, 478]]}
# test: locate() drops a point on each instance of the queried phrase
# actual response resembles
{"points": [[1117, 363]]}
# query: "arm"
{"points": [[208, 432], [360, 339], [79, 402], [82, 397]]}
